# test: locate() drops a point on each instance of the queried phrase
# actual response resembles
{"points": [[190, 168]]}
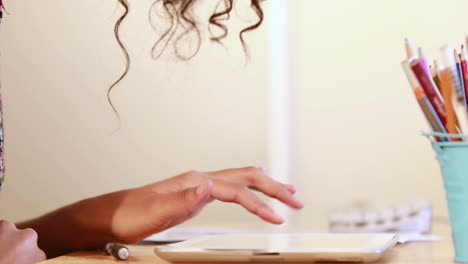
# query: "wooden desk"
{"points": [[438, 252]]}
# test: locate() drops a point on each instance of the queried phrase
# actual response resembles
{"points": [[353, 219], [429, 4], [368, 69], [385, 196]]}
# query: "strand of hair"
{"points": [[169, 33], [193, 26], [222, 15], [124, 51], [255, 4]]}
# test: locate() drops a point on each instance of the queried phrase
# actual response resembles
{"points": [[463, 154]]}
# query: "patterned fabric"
{"points": [[2, 149], [2, 167]]}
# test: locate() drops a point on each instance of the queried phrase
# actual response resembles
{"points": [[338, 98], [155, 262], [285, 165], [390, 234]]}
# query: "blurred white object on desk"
{"points": [[414, 217]]}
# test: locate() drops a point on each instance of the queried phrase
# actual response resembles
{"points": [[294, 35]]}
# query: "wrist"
{"points": [[69, 229], [89, 224]]}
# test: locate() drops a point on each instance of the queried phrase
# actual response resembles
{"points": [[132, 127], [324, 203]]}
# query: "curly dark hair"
{"points": [[178, 14]]}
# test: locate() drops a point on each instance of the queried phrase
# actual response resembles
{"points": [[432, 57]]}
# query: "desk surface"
{"points": [[438, 252]]}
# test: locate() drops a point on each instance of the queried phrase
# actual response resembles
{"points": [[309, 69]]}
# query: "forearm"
{"points": [[71, 228]]}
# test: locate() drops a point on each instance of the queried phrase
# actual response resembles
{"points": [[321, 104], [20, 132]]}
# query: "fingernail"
{"points": [[263, 170]]}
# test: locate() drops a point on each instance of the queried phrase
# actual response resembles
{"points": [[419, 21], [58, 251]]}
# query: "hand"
{"points": [[18, 246], [131, 215]]}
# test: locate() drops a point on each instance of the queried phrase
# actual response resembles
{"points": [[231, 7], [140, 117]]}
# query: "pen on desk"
{"points": [[117, 250]]}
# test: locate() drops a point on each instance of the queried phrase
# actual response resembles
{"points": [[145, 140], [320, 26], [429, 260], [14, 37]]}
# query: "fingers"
{"points": [[246, 174], [276, 190], [255, 178], [239, 174], [20, 245], [6, 225], [29, 236], [237, 193], [183, 196], [291, 188]]}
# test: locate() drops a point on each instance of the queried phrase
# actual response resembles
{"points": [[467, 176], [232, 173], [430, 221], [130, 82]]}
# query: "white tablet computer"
{"points": [[295, 247]]}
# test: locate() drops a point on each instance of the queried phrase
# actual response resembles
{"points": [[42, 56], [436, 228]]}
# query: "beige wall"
{"points": [[356, 126], [62, 138]]}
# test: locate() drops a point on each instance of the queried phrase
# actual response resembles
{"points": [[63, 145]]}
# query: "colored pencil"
{"points": [[453, 80], [448, 62], [430, 89], [423, 60], [447, 87], [464, 65], [423, 101], [441, 89], [435, 75], [459, 76], [410, 49]]}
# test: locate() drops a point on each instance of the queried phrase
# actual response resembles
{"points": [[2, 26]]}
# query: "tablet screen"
{"points": [[289, 242]]}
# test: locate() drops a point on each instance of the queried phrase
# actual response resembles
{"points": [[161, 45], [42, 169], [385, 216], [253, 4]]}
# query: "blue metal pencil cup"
{"points": [[453, 161]]}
